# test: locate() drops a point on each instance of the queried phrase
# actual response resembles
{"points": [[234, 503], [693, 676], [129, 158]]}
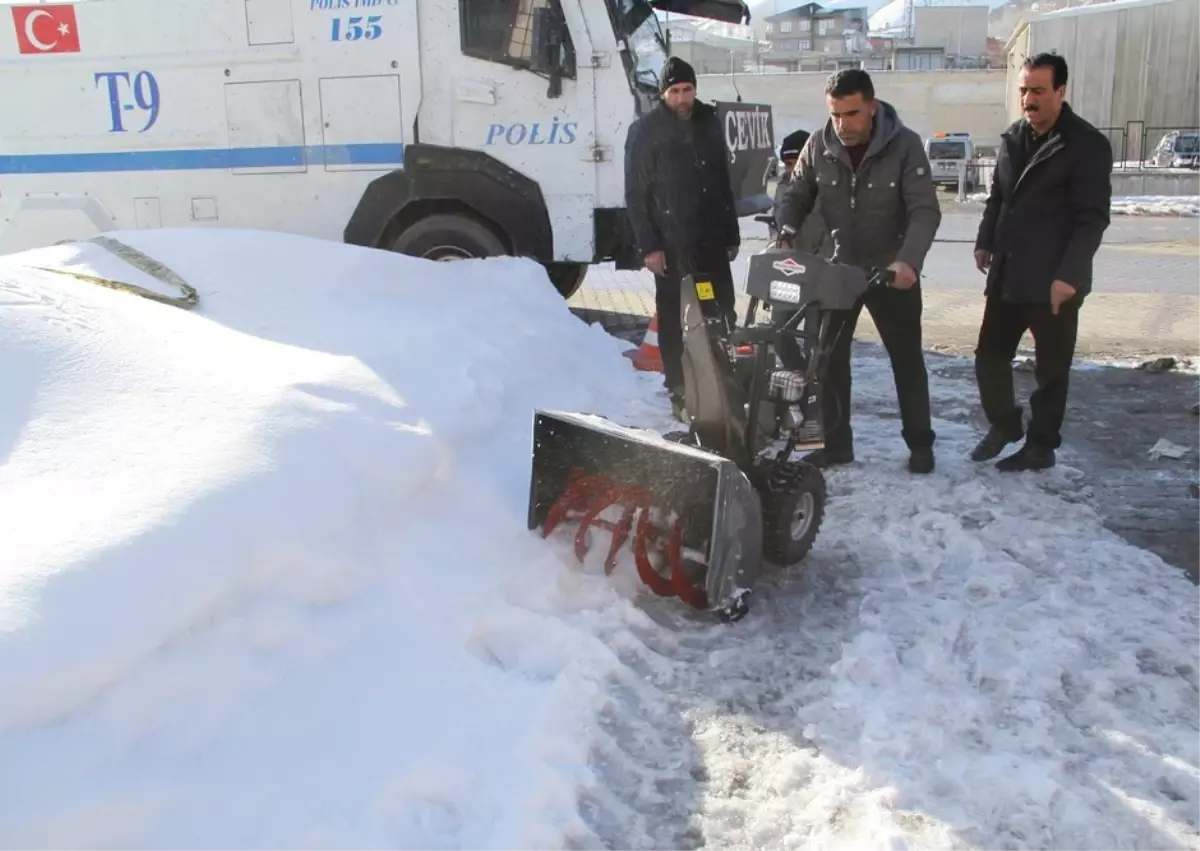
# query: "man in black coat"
{"points": [[679, 197], [1045, 217]]}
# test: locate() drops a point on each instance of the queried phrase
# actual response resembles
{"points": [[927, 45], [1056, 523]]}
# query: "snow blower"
{"points": [[706, 507]]}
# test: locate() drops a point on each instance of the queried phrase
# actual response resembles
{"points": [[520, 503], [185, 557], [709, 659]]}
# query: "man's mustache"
{"points": [[1031, 108]]}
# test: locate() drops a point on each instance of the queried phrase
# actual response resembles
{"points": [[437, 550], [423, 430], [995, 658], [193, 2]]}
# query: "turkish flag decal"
{"points": [[46, 29]]}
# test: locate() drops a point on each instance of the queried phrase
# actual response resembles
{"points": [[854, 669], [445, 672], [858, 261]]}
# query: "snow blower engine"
{"points": [[707, 506]]}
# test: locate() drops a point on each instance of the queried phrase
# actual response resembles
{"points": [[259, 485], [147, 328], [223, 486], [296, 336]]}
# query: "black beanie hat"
{"points": [[793, 143], [674, 71]]}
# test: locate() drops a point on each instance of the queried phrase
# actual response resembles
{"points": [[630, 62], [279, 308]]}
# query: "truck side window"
{"points": [[502, 31]]}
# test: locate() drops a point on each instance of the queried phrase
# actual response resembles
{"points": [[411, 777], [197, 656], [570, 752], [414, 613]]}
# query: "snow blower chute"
{"points": [[706, 507]]}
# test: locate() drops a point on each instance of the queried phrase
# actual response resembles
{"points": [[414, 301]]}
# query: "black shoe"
{"points": [[1029, 457], [993, 443], [920, 460], [830, 457]]}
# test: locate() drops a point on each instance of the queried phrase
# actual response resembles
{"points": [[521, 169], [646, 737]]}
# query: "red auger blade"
{"points": [[589, 496], [670, 497]]}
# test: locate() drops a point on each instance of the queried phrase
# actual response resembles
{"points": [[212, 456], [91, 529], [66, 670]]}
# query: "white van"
{"points": [[946, 151]]}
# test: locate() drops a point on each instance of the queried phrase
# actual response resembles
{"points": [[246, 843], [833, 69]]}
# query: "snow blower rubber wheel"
{"points": [[793, 509]]}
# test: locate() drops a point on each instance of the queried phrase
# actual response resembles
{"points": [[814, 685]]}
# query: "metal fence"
{"points": [[1118, 137], [1139, 147], [1135, 147]]}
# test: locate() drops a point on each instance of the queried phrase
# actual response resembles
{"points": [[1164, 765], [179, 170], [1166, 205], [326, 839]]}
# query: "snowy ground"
{"points": [[1177, 364], [266, 583], [1140, 205]]}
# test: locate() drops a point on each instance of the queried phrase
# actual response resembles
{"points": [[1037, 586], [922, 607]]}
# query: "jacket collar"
{"points": [[887, 126], [1064, 128]]}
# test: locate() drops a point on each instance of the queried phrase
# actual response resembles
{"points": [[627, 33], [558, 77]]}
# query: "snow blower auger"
{"points": [[706, 507]]}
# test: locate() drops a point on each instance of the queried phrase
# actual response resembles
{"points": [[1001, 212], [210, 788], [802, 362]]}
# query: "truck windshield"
{"points": [[947, 151], [1187, 143], [638, 26]]}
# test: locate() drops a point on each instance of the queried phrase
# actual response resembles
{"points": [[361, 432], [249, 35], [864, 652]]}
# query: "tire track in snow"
{"points": [[965, 660]]}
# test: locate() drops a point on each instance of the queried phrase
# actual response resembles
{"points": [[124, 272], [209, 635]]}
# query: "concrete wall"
{"points": [[928, 101], [1172, 182], [707, 58], [1155, 183], [961, 30], [1135, 62]]}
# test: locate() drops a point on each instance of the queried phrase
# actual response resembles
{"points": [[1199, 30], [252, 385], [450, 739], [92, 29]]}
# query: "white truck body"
{"points": [[303, 115]]}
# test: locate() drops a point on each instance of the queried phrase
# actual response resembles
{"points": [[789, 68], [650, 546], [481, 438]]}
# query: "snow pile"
{"points": [[256, 556], [1137, 205], [1156, 205]]}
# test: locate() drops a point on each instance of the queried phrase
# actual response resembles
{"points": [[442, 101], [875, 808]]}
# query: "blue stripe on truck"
{"points": [[199, 159]]}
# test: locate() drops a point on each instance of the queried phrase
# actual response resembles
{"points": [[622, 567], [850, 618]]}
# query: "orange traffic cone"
{"points": [[648, 358]]}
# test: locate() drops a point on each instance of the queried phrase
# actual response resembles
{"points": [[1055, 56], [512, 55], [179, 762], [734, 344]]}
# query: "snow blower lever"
{"points": [[706, 506]]}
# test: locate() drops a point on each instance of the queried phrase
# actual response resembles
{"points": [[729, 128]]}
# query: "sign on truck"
{"points": [[437, 128]]}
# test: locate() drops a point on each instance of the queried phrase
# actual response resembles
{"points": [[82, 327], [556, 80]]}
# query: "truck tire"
{"points": [[567, 277], [448, 236]]}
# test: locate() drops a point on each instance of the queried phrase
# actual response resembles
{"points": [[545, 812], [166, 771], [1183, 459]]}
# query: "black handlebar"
{"points": [[881, 278], [877, 278]]}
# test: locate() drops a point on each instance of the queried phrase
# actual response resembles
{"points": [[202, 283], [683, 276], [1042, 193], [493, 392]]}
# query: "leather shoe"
{"points": [[993, 443], [830, 457], [1029, 457], [920, 460]]}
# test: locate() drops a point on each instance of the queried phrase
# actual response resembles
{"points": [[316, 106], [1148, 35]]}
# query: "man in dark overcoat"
{"points": [[1045, 217], [679, 198]]}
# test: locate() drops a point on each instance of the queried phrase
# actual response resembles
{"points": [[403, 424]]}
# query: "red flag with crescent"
{"points": [[46, 29]]}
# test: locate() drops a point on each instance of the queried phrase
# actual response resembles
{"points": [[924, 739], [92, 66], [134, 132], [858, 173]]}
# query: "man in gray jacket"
{"points": [[872, 179]]}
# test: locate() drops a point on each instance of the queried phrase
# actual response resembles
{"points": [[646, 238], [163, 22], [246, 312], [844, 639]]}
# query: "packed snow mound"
{"points": [[1137, 205], [255, 554], [1156, 205]]}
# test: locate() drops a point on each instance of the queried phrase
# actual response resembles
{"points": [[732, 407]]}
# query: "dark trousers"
{"points": [[1004, 323], [787, 347], [897, 316], [713, 265]]}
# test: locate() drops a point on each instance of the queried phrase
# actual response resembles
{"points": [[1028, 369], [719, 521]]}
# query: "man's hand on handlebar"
{"points": [[656, 262], [904, 274]]}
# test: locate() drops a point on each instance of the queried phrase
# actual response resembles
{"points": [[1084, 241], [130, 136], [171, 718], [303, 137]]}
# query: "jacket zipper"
{"points": [[1051, 147]]}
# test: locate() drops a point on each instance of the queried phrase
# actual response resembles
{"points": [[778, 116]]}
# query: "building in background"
{"points": [[712, 47], [931, 34], [1134, 72], [818, 37]]}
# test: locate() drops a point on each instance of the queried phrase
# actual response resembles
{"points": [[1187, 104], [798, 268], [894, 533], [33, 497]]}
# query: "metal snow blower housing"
{"points": [[584, 465], [714, 502]]}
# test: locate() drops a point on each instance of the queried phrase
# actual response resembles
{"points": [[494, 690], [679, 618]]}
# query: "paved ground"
{"points": [[1116, 415], [1147, 303]]}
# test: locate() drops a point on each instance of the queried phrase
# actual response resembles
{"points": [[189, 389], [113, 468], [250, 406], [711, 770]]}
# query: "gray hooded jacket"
{"points": [[885, 211]]}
